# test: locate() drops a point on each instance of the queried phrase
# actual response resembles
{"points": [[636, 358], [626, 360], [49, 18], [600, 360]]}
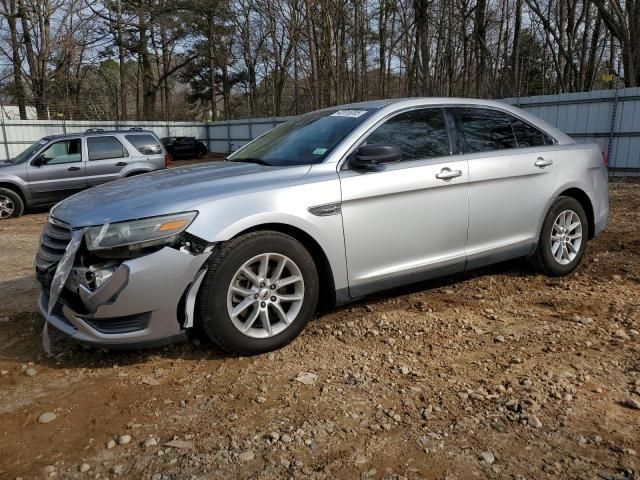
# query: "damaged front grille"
{"points": [[53, 243]]}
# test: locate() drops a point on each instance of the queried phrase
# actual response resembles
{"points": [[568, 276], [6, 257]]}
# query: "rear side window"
{"points": [[145, 144], [485, 130], [102, 148], [418, 133], [527, 135]]}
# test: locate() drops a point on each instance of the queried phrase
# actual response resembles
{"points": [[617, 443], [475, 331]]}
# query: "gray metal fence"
{"points": [[610, 118]]}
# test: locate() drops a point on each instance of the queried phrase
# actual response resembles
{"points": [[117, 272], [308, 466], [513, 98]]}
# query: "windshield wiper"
{"points": [[257, 160]]}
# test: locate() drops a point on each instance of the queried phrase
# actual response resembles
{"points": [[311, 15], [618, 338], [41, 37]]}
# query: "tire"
{"points": [[217, 300], [11, 204], [549, 257]]}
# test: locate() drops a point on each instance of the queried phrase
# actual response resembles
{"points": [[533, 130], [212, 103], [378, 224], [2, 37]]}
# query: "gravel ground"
{"points": [[500, 373]]}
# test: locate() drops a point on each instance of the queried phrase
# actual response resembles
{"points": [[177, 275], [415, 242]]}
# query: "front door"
{"points": [[511, 178], [58, 171], [406, 221]]}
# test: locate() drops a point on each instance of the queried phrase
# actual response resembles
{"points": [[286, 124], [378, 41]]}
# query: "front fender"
{"points": [[14, 181], [225, 218]]}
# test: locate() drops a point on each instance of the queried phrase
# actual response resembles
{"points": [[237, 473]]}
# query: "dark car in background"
{"points": [[185, 147], [57, 166]]}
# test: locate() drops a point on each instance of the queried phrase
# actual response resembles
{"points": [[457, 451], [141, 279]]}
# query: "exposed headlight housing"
{"points": [[142, 233]]}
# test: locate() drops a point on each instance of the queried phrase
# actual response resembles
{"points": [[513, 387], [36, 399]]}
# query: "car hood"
{"points": [[6, 163], [169, 191]]}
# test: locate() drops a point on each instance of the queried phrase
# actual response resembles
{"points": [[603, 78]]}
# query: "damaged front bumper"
{"points": [[145, 302]]}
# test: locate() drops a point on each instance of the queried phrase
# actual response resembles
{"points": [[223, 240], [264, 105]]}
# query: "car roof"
{"points": [[94, 133], [377, 104]]}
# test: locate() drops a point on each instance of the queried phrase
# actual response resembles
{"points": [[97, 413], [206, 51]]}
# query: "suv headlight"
{"points": [[145, 232]]}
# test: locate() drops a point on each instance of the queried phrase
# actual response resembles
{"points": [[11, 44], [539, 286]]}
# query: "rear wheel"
{"points": [[563, 239], [11, 205], [201, 151], [260, 291]]}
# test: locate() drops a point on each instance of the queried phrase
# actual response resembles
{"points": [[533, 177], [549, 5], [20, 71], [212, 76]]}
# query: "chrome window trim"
{"points": [[355, 143]]}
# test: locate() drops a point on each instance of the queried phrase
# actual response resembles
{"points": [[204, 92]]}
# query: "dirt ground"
{"points": [[500, 373]]}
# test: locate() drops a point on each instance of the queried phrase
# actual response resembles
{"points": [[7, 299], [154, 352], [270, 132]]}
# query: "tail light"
{"points": [[167, 160], [605, 159]]}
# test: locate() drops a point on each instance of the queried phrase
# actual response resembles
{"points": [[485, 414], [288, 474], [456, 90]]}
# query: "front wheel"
{"points": [[11, 204], [563, 239], [259, 292]]}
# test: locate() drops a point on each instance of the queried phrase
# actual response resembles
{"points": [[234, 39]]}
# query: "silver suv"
{"points": [[329, 207], [60, 165]]}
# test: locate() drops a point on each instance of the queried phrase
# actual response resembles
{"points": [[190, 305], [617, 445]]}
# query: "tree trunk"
{"points": [[122, 61], [18, 87], [480, 47]]}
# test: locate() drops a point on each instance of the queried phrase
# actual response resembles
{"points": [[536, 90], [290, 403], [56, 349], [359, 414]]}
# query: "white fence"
{"points": [[607, 117]]}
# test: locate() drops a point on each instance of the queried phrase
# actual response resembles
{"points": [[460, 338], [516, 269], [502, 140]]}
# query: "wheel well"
{"points": [[584, 200], [137, 172], [327, 295], [14, 188]]}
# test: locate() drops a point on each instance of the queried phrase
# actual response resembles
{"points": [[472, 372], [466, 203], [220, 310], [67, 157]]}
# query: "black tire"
{"points": [[543, 259], [213, 316], [11, 204], [201, 151]]}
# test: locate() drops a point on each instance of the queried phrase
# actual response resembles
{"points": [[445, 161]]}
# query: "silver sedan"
{"points": [[326, 208]]}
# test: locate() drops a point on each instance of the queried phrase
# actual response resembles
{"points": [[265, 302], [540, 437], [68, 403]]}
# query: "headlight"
{"points": [[143, 233]]}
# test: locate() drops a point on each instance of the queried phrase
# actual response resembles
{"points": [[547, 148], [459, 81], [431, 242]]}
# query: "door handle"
{"points": [[121, 164], [447, 174], [543, 162], [73, 169]]}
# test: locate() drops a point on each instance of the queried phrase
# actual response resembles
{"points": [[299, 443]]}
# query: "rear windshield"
{"points": [[145, 144]]}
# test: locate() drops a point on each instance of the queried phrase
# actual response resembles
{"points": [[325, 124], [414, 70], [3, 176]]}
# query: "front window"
{"points": [[419, 134], [64, 151], [303, 141]]}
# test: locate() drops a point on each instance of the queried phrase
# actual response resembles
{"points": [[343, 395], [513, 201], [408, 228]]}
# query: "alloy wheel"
{"points": [[566, 237], [6, 206], [265, 295]]}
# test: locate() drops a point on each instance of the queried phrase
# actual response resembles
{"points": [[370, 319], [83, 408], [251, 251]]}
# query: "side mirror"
{"points": [[370, 156], [39, 161]]}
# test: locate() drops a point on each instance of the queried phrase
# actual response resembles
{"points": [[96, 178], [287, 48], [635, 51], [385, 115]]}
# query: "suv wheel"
{"points": [[563, 239], [260, 291], [11, 204]]}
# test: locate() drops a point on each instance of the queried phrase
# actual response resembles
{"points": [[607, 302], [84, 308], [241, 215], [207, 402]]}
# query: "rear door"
{"points": [[107, 156], [406, 221], [61, 173], [511, 178]]}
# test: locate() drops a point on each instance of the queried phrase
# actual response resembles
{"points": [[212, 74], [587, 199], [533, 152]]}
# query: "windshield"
{"points": [[305, 140], [26, 154]]}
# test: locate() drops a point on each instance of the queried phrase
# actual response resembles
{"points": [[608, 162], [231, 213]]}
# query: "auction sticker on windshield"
{"points": [[349, 113]]}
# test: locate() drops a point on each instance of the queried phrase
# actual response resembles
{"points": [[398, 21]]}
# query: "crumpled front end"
{"points": [[142, 301]]}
